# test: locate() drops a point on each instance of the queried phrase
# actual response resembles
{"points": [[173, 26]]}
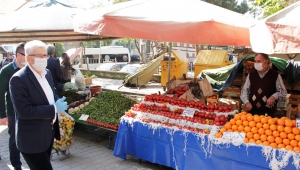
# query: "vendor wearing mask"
{"points": [[262, 88]]}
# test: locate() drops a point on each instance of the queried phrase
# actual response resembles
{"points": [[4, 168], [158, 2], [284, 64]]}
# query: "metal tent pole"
{"points": [[169, 61]]}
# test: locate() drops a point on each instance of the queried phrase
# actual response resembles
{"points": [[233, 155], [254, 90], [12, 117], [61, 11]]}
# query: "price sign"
{"points": [[234, 136], [298, 122], [188, 112], [84, 117]]}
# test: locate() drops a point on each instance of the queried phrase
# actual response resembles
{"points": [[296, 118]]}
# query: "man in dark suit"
{"points": [[36, 105], [54, 66]]}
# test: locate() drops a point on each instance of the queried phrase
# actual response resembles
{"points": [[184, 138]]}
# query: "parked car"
{"points": [[131, 68], [135, 58], [111, 66]]}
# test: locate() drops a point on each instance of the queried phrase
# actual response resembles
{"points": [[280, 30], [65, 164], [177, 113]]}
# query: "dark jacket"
{"points": [[34, 114], [5, 75], [54, 67]]}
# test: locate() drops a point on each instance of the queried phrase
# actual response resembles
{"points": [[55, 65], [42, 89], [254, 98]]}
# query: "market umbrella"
{"points": [[73, 52], [49, 22], [193, 22], [278, 33]]}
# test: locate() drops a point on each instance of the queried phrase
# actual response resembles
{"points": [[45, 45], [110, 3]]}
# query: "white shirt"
{"points": [[46, 88]]}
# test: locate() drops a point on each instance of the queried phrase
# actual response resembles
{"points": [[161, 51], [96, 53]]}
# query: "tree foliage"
{"points": [[231, 5], [96, 44], [269, 7], [228, 4], [243, 7], [60, 48]]}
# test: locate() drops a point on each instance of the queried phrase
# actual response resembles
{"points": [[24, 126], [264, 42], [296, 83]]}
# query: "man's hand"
{"points": [[4, 121], [271, 101], [61, 106], [248, 106]]}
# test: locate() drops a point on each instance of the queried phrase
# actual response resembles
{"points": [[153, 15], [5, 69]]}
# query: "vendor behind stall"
{"points": [[262, 88]]}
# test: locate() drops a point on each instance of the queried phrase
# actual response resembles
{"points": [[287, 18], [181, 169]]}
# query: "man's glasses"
{"points": [[39, 55]]}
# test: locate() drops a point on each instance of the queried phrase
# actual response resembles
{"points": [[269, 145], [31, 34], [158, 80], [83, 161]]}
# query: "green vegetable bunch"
{"points": [[107, 107]]}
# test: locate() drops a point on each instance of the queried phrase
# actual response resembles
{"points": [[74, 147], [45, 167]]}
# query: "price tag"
{"points": [[298, 122], [234, 136], [84, 117], [188, 112]]}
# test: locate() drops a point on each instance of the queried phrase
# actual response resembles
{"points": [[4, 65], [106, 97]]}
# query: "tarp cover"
{"points": [[278, 33], [193, 22], [49, 21], [223, 77]]}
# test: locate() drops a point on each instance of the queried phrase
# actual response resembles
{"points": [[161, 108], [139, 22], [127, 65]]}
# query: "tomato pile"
{"points": [[184, 103], [178, 91], [168, 111], [103, 124]]}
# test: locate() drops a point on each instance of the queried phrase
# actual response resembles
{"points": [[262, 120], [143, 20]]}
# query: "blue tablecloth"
{"points": [[184, 151]]}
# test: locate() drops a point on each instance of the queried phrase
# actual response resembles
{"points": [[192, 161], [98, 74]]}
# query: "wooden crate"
{"points": [[232, 91], [288, 111], [294, 99], [88, 81], [209, 100], [235, 103]]}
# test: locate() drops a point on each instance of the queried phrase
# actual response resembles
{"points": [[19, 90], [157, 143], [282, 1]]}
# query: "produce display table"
{"points": [[111, 133], [187, 151]]}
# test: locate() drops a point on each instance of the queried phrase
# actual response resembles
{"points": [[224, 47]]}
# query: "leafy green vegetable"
{"points": [[107, 107]]}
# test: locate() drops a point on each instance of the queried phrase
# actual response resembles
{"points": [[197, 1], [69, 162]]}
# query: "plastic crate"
{"points": [[111, 139]]}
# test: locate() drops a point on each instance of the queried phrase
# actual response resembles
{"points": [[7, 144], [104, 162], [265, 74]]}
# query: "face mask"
{"points": [[10, 57], [40, 64], [24, 63], [258, 66]]}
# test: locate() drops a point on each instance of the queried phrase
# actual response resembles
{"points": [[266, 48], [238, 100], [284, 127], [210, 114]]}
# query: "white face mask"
{"points": [[24, 63], [258, 66], [40, 64]]}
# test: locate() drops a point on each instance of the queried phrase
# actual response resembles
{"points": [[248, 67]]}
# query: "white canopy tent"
{"points": [[278, 33]]}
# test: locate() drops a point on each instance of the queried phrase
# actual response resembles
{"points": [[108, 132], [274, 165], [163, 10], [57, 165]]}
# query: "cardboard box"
{"points": [[88, 81], [209, 100]]}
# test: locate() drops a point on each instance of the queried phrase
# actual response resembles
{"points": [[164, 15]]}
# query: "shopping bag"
{"points": [[66, 127]]}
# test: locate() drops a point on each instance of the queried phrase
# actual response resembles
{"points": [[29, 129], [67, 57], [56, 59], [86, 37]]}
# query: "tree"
{"points": [[243, 7], [96, 44], [269, 7], [119, 1], [231, 5], [228, 4], [59, 47], [126, 42]]}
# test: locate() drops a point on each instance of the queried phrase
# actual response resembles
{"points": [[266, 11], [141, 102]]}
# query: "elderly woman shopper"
{"points": [[66, 68]]}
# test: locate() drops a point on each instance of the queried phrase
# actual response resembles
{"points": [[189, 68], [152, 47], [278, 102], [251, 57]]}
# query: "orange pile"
{"points": [[262, 130]]}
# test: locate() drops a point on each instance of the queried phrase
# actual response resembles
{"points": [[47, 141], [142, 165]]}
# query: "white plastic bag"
{"points": [[70, 86], [79, 80], [66, 127]]}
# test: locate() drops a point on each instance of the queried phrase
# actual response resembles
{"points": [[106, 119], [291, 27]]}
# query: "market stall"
{"points": [[188, 150], [177, 133]]}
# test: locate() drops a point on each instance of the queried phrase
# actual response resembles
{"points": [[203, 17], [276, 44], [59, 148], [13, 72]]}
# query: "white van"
{"points": [[109, 54]]}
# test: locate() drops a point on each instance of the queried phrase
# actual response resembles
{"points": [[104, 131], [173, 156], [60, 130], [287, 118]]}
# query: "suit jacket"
{"points": [[34, 114], [54, 67]]}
